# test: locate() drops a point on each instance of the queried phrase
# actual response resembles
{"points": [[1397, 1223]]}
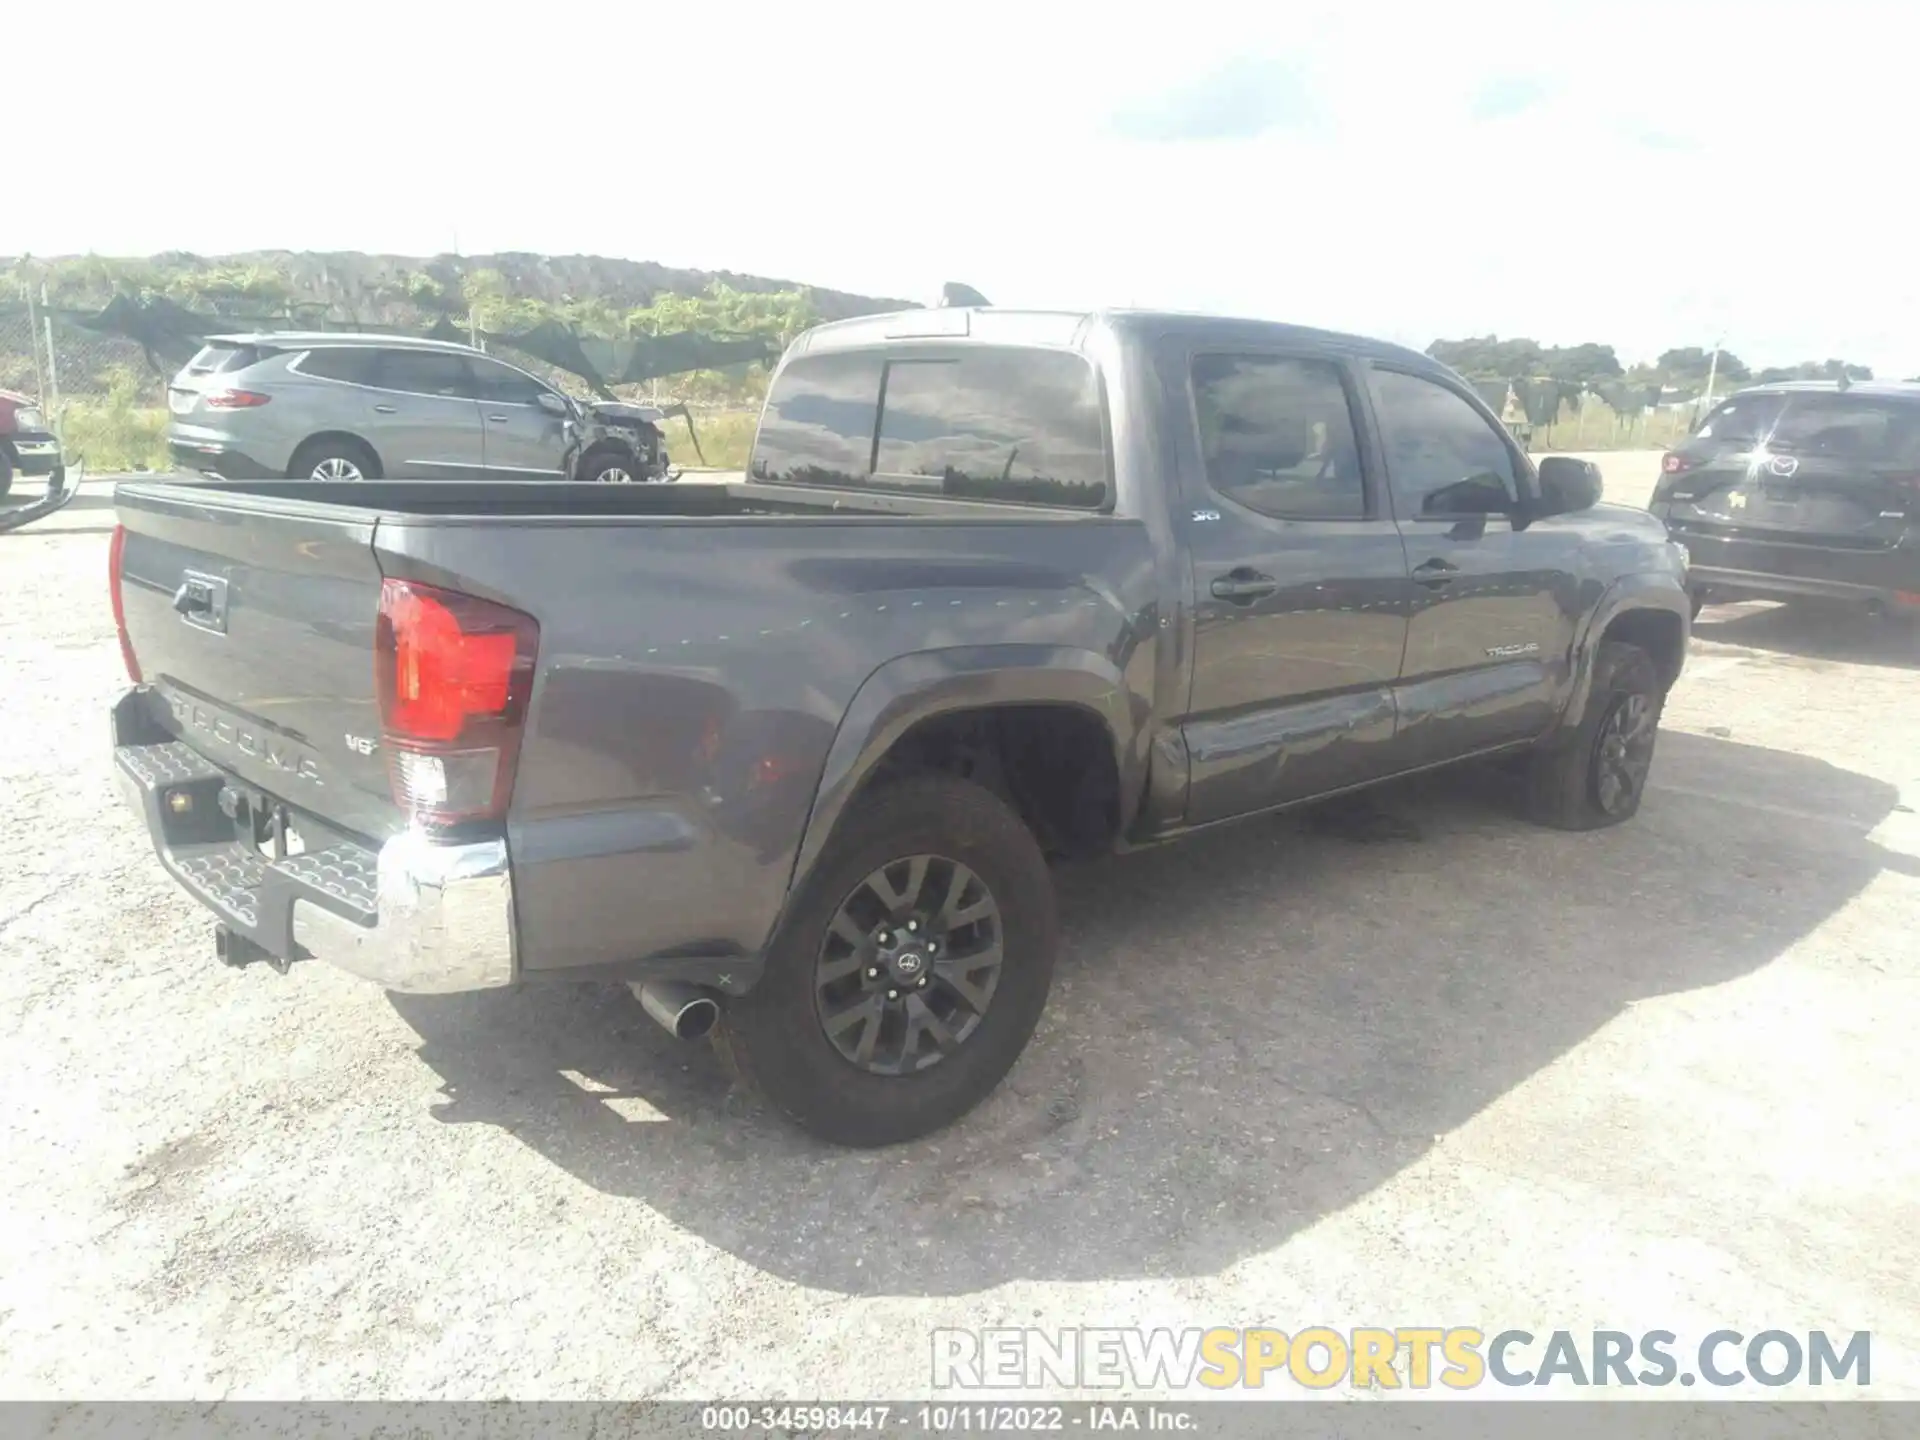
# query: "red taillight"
{"points": [[454, 674], [1671, 464], [234, 399], [116, 552]]}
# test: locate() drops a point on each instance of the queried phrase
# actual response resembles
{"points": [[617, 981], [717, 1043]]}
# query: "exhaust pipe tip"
{"points": [[684, 1011]]}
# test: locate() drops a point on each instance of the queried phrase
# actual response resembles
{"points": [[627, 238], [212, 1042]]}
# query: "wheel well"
{"points": [[611, 449], [333, 437], [1052, 763], [1660, 633]]}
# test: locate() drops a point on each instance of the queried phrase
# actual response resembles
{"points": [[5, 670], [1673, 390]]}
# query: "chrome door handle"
{"points": [[385, 409], [498, 419]]}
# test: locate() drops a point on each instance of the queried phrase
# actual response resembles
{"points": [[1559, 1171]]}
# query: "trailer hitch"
{"points": [[238, 951]]}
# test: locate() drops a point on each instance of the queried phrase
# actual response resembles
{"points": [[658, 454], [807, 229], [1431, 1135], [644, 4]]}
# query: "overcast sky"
{"points": [[1641, 176]]}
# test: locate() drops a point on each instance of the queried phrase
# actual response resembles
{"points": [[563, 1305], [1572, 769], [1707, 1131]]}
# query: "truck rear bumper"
{"points": [[412, 915], [36, 453], [1740, 566]]}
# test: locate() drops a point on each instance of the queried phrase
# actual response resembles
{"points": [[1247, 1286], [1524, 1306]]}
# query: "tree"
{"points": [[1587, 365], [1491, 358], [1689, 365], [1815, 370], [1488, 357]]}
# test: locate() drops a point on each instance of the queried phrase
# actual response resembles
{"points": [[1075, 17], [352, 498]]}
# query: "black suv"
{"points": [[1805, 490]]}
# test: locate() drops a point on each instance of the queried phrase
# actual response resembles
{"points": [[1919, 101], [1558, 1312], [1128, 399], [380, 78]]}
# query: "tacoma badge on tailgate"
{"points": [[275, 751]]}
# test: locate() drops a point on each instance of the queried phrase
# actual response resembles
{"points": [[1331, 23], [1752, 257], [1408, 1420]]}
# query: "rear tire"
{"points": [[334, 461], [1595, 774], [778, 1037], [1696, 599], [6, 472]]}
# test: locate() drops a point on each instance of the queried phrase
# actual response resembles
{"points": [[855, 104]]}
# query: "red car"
{"points": [[27, 446]]}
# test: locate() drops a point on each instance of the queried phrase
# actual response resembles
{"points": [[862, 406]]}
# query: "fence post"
{"points": [[53, 371], [33, 344]]}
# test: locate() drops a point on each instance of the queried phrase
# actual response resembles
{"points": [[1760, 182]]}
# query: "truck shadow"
{"points": [[1248, 1031], [1814, 632]]}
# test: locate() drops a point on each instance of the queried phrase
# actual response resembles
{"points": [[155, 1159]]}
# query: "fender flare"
{"points": [[912, 688], [1652, 591]]}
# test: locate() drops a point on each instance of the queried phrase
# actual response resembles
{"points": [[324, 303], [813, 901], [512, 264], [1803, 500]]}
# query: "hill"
{"points": [[355, 281]]}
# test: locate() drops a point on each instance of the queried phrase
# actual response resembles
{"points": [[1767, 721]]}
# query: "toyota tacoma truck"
{"points": [[789, 756]]}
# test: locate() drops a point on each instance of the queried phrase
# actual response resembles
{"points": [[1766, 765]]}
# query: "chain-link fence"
{"points": [[101, 392]]}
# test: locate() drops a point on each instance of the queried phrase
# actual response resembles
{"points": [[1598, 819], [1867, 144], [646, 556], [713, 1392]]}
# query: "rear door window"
{"points": [[424, 372], [348, 363], [1277, 436]]}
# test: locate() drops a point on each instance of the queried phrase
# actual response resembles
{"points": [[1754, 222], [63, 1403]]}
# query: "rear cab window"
{"points": [[993, 423]]}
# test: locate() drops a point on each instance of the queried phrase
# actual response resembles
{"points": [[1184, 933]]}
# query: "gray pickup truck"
{"points": [[790, 756]]}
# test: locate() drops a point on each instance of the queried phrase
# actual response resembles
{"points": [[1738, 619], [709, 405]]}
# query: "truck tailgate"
{"points": [[254, 621]]}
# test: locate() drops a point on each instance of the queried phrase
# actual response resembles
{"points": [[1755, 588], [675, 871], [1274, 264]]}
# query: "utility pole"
{"points": [[52, 399], [1713, 372], [33, 344], [473, 325]]}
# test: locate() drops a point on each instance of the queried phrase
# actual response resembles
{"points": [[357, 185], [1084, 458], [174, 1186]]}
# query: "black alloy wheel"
{"points": [[909, 965], [1623, 754]]}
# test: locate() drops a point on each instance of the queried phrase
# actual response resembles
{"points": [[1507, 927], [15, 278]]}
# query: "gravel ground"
{"points": [[1658, 1077]]}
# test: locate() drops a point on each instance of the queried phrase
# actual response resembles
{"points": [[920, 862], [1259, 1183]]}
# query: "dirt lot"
{"points": [[1659, 1077]]}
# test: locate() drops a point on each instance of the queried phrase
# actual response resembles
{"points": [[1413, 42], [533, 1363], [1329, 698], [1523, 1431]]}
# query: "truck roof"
{"points": [[1066, 329]]}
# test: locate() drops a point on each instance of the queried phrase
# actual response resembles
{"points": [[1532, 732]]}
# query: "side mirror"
{"points": [[554, 404], [1567, 485]]}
